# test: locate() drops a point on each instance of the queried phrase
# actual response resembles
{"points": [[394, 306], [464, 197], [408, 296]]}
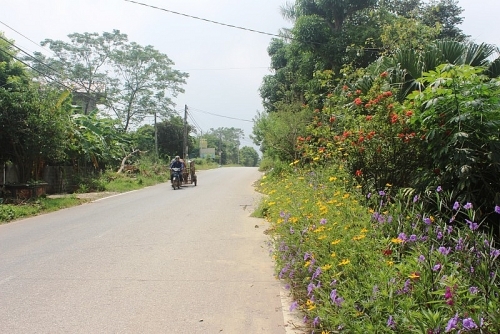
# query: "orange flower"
{"points": [[358, 101], [409, 113], [359, 173], [369, 117], [383, 74]]}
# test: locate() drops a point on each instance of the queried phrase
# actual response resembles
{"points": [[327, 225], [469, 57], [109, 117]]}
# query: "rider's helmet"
{"points": [[177, 157]]}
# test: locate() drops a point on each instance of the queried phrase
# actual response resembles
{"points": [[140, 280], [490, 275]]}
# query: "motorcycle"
{"points": [[176, 178]]}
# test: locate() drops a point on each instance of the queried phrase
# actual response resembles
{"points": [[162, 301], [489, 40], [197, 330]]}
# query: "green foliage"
{"points": [[249, 156], [277, 133], [459, 112]]}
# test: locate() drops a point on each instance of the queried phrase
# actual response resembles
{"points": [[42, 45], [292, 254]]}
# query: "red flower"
{"points": [[409, 113], [387, 252], [369, 117], [358, 101], [345, 87], [394, 118], [359, 173], [332, 119], [383, 74], [388, 93]]}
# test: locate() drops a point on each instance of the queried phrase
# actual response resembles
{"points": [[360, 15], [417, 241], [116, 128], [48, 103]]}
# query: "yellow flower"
{"points": [[332, 178], [333, 254], [346, 196], [359, 237], [397, 240], [294, 163], [310, 305], [321, 237], [390, 263], [414, 275], [316, 159], [326, 267], [335, 242], [364, 230], [307, 264], [344, 262], [271, 203], [388, 185]]}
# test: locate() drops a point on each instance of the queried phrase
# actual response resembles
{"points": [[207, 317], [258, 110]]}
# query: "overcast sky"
{"points": [[226, 65]]}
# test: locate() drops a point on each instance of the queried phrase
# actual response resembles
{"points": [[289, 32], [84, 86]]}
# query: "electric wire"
{"points": [[223, 116], [206, 20], [34, 69]]}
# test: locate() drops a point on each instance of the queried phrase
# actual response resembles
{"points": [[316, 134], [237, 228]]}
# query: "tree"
{"points": [[131, 80], [277, 133], [226, 141], [170, 137], [82, 63], [34, 118], [249, 156], [143, 78]]}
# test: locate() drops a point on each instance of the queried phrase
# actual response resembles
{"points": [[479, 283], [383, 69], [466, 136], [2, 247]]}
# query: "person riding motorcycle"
{"points": [[177, 163]]}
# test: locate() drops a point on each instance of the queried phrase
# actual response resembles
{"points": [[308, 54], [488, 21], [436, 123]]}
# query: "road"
{"points": [[156, 260]]}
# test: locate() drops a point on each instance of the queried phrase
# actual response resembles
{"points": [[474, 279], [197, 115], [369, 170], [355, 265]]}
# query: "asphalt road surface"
{"points": [[156, 260]]}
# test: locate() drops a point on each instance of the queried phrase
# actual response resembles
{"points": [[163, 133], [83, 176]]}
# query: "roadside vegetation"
{"points": [[381, 152]]}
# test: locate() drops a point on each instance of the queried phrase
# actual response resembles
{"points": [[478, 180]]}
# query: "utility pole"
{"points": [[184, 139], [156, 138], [220, 149]]}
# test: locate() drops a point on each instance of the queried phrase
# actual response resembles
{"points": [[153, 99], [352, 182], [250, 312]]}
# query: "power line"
{"points": [[34, 69], [238, 119], [24, 36], [206, 20]]}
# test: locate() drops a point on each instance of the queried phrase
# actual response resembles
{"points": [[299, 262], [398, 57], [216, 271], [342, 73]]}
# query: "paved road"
{"points": [[149, 261]]}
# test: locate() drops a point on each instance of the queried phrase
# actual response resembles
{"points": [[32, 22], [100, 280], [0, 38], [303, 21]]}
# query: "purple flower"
{"points": [[307, 256], [292, 231], [473, 290], [316, 321], [421, 258], [460, 244], [336, 299], [391, 323], [413, 238], [495, 252], [437, 267], [310, 288], [439, 235], [444, 250], [369, 195], [468, 324], [316, 273], [468, 206], [427, 221], [456, 206], [497, 209], [333, 283], [448, 293], [381, 193], [402, 236], [472, 225], [322, 221], [452, 323], [294, 306], [415, 199], [439, 189]]}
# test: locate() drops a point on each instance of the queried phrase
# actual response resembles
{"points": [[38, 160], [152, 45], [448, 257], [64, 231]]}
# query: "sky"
{"points": [[225, 65]]}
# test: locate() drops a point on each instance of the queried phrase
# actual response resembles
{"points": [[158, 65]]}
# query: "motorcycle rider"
{"points": [[177, 163]]}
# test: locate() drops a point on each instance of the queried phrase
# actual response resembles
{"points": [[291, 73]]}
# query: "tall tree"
{"points": [[144, 76], [81, 63]]}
